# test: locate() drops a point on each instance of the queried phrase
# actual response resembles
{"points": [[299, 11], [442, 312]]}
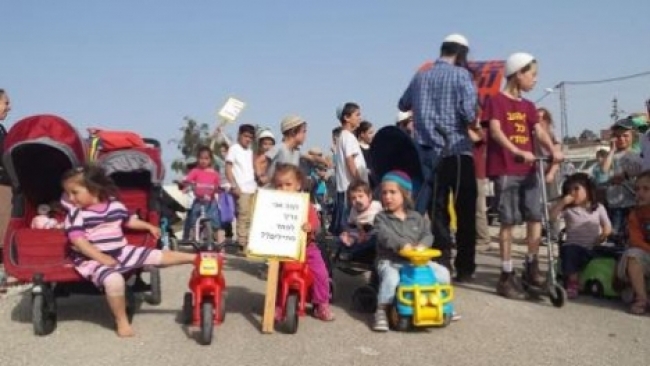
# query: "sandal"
{"points": [[639, 307], [324, 313]]}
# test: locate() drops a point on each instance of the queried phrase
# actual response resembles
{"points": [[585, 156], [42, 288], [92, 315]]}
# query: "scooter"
{"points": [[552, 288]]}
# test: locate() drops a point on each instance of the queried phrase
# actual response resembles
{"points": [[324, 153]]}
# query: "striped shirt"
{"points": [[444, 102], [100, 224]]}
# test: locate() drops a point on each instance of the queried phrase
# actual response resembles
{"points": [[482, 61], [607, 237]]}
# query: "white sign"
{"points": [[276, 227], [231, 109]]}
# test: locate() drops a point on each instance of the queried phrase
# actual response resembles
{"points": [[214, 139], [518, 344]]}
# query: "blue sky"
{"points": [[143, 65]]}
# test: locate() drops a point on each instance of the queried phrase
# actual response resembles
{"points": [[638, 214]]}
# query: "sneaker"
{"points": [[534, 276], [508, 288], [455, 316], [464, 278], [572, 289], [324, 313], [381, 321]]}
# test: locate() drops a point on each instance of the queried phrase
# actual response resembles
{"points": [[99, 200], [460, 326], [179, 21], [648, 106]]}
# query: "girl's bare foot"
{"points": [[125, 330]]}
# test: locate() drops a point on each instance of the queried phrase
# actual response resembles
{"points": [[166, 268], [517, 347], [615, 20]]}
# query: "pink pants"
{"points": [[320, 292]]}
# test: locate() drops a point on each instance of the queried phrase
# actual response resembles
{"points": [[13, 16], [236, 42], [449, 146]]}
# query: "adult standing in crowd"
{"points": [[444, 103], [405, 122], [552, 176], [364, 133], [5, 191], [479, 137]]}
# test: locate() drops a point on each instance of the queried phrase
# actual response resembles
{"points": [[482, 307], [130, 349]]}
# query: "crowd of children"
{"points": [[614, 198]]}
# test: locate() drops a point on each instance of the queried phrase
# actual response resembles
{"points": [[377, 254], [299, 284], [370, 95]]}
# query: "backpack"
{"points": [[106, 140]]}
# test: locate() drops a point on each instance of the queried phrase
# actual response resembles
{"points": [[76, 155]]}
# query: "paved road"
{"points": [[493, 331]]}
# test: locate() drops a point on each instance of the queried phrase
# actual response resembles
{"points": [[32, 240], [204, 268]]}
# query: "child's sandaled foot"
{"points": [[125, 330], [639, 307], [324, 313]]}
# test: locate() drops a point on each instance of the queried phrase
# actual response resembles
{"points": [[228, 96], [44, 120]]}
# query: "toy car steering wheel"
{"points": [[420, 256]]}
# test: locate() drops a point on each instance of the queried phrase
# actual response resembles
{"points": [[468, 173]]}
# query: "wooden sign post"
{"points": [[276, 234]]}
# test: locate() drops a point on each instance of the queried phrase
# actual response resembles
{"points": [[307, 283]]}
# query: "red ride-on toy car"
{"points": [[205, 305], [293, 294]]}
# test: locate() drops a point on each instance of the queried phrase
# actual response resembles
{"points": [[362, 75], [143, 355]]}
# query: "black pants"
{"points": [[455, 174]]}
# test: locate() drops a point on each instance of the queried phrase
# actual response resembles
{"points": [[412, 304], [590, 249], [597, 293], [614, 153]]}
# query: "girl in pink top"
{"points": [[101, 253], [204, 181]]}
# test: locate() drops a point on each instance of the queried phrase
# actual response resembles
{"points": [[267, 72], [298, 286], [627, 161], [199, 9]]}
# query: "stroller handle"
{"points": [[153, 142]]}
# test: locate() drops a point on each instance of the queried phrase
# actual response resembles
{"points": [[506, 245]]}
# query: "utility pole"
{"points": [[564, 124], [614, 114]]}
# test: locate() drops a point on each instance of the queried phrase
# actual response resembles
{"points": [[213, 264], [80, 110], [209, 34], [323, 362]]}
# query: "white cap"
{"points": [[401, 116], [265, 134], [457, 38], [517, 61]]}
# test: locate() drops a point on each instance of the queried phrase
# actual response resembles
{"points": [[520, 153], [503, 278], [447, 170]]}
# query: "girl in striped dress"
{"points": [[101, 253]]}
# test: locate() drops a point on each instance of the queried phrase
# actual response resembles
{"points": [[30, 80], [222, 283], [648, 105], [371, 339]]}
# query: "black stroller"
{"points": [[391, 149]]}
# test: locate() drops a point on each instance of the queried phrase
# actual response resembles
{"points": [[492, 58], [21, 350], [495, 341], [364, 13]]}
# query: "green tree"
{"points": [[193, 135]]}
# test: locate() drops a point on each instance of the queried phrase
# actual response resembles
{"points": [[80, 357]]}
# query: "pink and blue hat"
{"points": [[402, 179]]}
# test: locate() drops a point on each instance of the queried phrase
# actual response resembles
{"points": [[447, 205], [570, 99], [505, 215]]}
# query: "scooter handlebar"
{"points": [[546, 159]]}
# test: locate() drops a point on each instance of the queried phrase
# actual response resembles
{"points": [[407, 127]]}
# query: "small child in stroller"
{"points": [[358, 237]]}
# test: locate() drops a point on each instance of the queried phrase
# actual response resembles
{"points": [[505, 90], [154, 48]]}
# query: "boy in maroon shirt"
{"points": [[513, 125]]}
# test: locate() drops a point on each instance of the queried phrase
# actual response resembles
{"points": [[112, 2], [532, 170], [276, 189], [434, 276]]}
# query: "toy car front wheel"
{"points": [[43, 315], [291, 314], [557, 296], [188, 309], [595, 288], [207, 322]]}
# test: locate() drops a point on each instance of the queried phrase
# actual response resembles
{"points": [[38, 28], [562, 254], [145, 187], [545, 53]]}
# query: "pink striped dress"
{"points": [[101, 225]]}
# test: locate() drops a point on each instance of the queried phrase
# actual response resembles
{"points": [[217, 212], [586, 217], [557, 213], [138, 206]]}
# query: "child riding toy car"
{"points": [[205, 305], [293, 294], [421, 301]]}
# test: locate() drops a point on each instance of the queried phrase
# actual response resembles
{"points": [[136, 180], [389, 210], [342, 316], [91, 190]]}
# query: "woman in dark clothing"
{"points": [[364, 134]]}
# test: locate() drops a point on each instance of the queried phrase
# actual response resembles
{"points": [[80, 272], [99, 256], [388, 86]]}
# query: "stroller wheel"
{"points": [[43, 315], [557, 296], [364, 299], [155, 296]]}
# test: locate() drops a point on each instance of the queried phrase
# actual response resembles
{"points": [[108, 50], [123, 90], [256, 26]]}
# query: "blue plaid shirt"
{"points": [[444, 102]]}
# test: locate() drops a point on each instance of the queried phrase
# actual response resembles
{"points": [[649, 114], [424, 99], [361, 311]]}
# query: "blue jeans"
{"points": [[618, 216], [574, 258], [340, 214], [389, 278], [211, 211]]}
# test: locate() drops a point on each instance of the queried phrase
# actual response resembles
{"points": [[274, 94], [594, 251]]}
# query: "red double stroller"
{"points": [[38, 150]]}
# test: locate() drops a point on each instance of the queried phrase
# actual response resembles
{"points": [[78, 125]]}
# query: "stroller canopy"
{"points": [[393, 149], [134, 167], [37, 151]]}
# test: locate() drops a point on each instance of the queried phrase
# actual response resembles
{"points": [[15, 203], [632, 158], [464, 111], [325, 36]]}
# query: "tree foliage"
{"points": [[193, 135], [588, 135]]}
